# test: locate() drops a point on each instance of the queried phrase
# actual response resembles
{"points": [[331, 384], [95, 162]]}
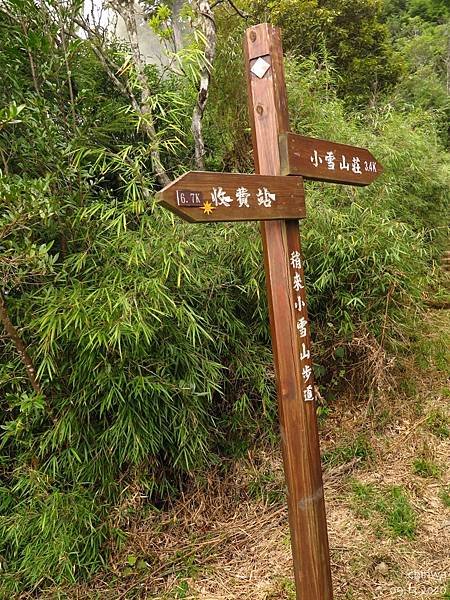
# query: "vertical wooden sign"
{"points": [[289, 325]]}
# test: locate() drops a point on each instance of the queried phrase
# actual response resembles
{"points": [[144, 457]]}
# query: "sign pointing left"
{"points": [[205, 197]]}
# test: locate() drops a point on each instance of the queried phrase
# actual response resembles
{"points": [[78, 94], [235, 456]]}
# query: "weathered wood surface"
{"points": [[203, 197], [291, 342], [327, 161]]}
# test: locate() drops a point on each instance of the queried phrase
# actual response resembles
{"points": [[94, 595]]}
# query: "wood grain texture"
{"points": [[298, 422], [307, 156], [289, 202]]}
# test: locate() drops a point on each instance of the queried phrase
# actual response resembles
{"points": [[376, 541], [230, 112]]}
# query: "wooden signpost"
{"points": [[201, 197], [278, 202]]}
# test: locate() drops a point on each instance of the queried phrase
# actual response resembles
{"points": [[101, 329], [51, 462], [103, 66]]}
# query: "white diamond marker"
{"points": [[260, 68]]}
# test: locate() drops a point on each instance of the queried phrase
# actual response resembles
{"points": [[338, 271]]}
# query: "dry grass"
{"points": [[227, 538]]}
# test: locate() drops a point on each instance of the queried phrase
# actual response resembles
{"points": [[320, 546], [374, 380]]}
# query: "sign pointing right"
{"points": [[327, 161]]}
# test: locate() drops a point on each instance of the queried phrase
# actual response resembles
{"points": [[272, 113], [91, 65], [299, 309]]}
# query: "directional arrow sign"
{"points": [[327, 161], [204, 197]]}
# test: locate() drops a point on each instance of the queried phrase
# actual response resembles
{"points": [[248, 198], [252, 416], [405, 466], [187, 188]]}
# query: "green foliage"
{"points": [[445, 496], [426, 468], [227, 132], [48, 535], [434, 11], [433, 351], [159, 21], [360, 449], [389, 509], [438, 422], [367, 249], [406, 145], [446, 595], [150, 344], [423, 47], [420, 32], [266, 487], [352, 32]]}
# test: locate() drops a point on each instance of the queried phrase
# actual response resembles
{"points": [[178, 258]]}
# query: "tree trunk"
{"points": [[208, 28]]}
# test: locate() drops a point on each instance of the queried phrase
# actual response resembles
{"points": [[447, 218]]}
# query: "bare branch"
{"points": [[208, 27], [66, 63], [23, 25], [97, 45], [4, 161], [30, 57], [233, 6], [15, 338], [127, 11]]}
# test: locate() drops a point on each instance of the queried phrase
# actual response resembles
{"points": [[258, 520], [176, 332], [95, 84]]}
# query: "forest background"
{"points": [[134, 348]]}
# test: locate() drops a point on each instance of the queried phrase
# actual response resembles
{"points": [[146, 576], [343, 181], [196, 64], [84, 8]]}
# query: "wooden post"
{"points": [[290, 333]]}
